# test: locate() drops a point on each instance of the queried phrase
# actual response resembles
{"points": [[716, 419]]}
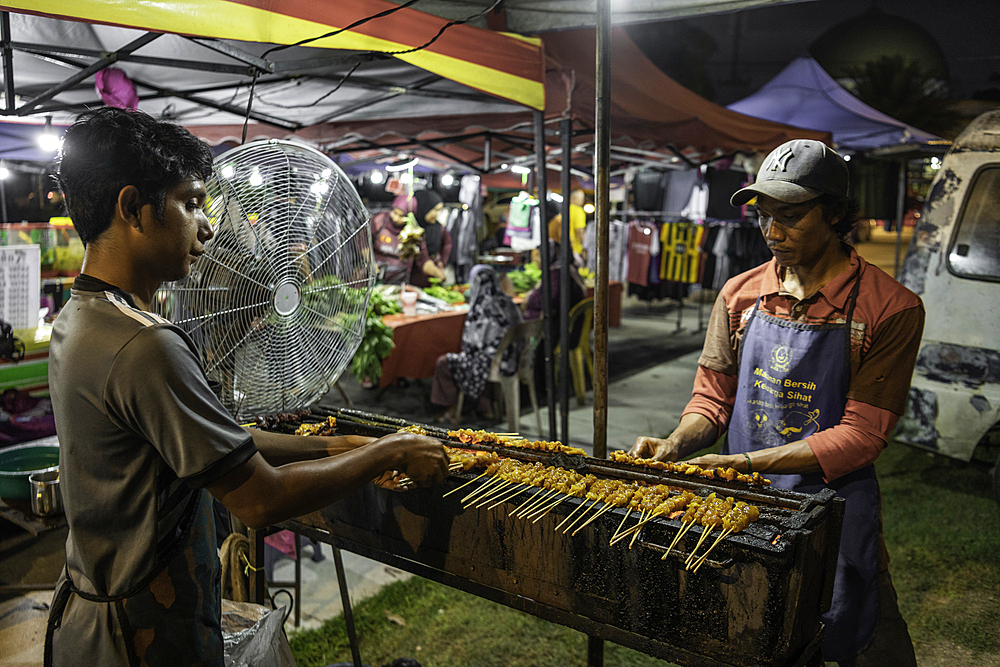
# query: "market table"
{"points": [[419, 341]]}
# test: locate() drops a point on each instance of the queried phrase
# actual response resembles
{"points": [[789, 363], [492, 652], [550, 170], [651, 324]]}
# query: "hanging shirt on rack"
{"points": [[681, 256], [640, 241], [697, 206]]}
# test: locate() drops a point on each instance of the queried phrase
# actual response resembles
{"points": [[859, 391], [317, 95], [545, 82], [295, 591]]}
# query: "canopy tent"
{"points": [[197, 60], [536, 16], [803, 94], [654, 120]]}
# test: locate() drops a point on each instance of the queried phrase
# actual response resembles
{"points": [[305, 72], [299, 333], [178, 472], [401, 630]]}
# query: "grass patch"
{"points": [[942, 529], [448, 628]]}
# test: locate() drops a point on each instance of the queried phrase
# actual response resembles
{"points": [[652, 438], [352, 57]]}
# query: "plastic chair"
{"points": [[531, 334], [580, 353]]}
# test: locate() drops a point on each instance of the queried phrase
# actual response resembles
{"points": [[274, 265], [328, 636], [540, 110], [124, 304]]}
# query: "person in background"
{"points": [[429, 206], [533, 308], [144, 442], [577, 226], [399, 260], [492, 312], [807, 365]]}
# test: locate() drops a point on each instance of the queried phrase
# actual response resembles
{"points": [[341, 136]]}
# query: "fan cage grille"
{"points": [[277, 304]]}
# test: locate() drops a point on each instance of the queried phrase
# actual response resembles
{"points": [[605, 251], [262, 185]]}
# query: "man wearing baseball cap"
{"points": [[806, 369]]}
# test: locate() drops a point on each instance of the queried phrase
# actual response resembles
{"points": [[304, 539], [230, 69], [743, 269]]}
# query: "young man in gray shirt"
{"points": [[143, 439]]}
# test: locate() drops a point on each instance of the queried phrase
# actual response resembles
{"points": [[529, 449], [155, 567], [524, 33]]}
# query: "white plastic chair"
{"points": [[531, 333]]}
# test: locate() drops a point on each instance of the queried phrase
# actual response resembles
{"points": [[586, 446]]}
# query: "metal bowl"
{"points": [[19, 461]]}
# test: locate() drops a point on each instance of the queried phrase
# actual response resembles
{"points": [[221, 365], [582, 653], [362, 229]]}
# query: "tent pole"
{"points": [[565, 257], [602, 202], [8, 64], [900, 212], [541, 180]]}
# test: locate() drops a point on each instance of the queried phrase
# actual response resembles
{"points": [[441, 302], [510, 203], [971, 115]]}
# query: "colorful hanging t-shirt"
{"points": [[680, 260]]}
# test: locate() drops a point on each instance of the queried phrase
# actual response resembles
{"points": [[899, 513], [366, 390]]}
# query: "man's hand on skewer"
{"points": [[694, 432], [420, 458]]}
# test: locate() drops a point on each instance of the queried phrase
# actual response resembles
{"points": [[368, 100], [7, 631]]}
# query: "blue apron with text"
{"points": [[793, 382]]}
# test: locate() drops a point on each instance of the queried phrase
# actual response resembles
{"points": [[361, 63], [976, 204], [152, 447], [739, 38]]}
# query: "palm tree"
{"points": [[903, 90]]}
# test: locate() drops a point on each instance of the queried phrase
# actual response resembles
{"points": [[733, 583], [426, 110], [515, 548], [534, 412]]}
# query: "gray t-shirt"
{"points": [[140, 431]]}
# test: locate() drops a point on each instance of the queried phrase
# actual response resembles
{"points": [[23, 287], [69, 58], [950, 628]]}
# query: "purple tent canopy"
{"points": [[19, 141], [805, 96]]}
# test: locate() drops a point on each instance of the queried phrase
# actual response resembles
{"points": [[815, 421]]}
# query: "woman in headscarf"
{"points": [[491, 314], [533, 308], [400, 260], [429, 206]]}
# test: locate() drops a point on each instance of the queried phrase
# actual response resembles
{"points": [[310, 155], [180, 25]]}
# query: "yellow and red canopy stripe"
{"points": [[506, 66]]}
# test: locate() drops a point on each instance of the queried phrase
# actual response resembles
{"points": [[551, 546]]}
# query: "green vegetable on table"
{"points": [[377, 342], [525, 278]]}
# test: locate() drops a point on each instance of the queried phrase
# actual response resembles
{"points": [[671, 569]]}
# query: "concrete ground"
{"points": [[652, 363]]}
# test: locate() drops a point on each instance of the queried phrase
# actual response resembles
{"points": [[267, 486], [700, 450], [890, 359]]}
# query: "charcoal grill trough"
{"points": [[756, 600]]}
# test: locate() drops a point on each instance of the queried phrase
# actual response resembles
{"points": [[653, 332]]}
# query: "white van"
{"points": [[953, 263]]}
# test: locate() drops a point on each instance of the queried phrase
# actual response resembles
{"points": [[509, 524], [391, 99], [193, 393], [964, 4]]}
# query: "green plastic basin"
{"points": [[19, 461]]}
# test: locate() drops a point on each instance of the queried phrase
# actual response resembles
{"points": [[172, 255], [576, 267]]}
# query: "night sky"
{"points": [[773, 36]]}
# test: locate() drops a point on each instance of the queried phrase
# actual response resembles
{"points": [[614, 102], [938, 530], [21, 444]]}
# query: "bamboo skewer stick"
{"points": [[652, 515], [575, 510], [508, 496], [680, 533], [527, 511], [542, 511], [462, 486], [628, 531], [582, 514], [704, 534], [701, 560], [495, 491], [543, 505], [530, 498], [490, 484], [596, 514], [627, 512]]}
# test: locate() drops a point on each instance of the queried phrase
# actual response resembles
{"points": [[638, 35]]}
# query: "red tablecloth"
{"points": [[420, 340]]}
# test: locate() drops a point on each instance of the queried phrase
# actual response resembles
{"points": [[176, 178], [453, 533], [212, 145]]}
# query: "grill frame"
{"points": [[754, 602]]}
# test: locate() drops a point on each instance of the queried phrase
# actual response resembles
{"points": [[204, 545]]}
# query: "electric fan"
{"points": [[278, 302]]}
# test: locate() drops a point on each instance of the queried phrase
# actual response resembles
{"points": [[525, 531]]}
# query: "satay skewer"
{"points": [[487, 485], [463, 485], [725, 532], [545, 509], [628, 531], [628, 510], [506, 495], [596, 514], [493, 493], [541, 490], [575, 510], [582, 514], [528, 511]]}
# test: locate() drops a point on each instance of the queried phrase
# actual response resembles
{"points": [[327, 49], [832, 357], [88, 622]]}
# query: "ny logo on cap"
{"points": [[780, 162]]}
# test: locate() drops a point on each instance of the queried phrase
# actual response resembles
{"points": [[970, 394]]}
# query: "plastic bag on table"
{"points": [[253, 636]]}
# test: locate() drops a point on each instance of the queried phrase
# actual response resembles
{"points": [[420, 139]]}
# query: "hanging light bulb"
{"points": [[256, 180], [377, 176], [48, 140], [447, 180], [4, 172], [227, 171]]}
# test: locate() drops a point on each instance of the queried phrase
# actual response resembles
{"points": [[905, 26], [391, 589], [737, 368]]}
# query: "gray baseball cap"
{"points": [[797, 171]]}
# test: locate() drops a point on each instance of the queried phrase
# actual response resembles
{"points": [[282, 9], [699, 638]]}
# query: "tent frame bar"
{"points": [[42, 49], [233, 52], [109, 59]]}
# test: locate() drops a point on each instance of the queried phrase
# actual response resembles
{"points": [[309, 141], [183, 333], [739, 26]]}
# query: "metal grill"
{"points": [[757, 600]]}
